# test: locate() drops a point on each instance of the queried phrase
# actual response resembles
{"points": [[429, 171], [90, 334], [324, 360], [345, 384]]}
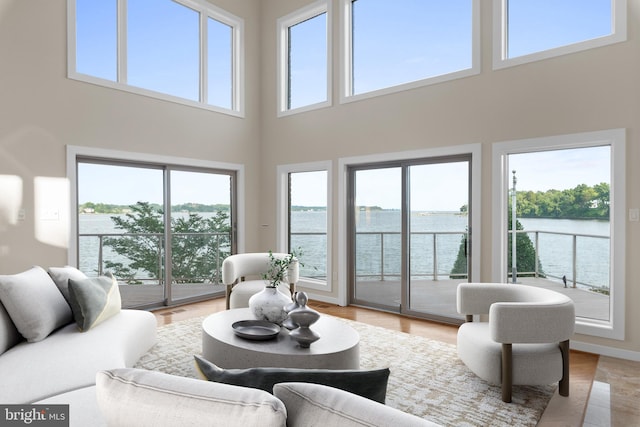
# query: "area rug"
{"points": [[427, 378]]}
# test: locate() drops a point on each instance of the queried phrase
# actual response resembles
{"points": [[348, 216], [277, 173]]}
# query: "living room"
{"points": [[44, 112]]}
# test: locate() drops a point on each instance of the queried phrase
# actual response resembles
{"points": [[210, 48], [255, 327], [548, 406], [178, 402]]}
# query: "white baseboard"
{"points": [[606, 351], [321, 298]]}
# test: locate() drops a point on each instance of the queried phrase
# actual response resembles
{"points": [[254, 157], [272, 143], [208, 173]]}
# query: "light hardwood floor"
{"points": [[615, 383]]}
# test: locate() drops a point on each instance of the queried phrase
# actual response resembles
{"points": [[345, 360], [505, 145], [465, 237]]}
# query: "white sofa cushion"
{"points": [[83, 407], [34, 303], [139, 398], [314, 404], [69, 359]]}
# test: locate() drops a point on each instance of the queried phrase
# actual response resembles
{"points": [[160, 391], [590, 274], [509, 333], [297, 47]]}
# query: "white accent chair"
{"points": [[242, 276], [526, 338]]}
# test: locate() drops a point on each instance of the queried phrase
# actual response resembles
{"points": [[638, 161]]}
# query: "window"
{"points": [[560, 222], [304, 220], [186, 51], [304, 59], [162, 226], [530, 30], [391, 46]]}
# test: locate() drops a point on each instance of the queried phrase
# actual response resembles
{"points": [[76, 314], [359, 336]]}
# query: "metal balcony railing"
{"points": [[219, 240]]}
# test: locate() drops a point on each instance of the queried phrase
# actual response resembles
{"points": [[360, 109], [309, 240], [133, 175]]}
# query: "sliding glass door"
{"points": [[409, 226], [163, 231]]}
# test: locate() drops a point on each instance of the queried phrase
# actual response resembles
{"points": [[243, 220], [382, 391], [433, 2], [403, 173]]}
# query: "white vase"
{"points": [[269, 304]]}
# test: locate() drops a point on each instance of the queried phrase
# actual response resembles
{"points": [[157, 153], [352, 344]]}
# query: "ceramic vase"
{"points": [[304, 317], [269, 304], [288, 322]]}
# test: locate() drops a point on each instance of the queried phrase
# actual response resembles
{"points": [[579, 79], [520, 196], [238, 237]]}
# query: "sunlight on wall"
{"points": [[11, 200], [52, 210]]}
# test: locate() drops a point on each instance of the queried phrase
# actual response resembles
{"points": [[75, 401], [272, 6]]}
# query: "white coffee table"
{"points": [[337, 348]]}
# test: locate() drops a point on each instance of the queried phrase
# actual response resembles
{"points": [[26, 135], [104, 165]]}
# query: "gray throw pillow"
{"points": [[371, 384], [9, 335], [61, 276], [34, 303], [94, 300]]}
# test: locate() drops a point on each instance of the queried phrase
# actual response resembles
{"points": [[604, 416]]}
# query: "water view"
{"points": [[378, 244]]}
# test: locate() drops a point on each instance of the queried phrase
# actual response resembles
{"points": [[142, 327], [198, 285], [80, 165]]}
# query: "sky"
{"points": [[394, 42], [121, 185], [561, 169]]}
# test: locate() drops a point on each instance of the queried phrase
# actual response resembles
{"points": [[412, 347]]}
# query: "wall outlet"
{"points": [[634, 215]]}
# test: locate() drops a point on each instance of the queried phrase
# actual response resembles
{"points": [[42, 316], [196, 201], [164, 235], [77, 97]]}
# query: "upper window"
{"points": [[304, 52], [391, 46], [185, 51], [530, 30]]}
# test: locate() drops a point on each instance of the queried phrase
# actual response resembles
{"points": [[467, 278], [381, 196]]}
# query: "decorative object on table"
{"points": [[269, 303], [304, 317], [257, 330], [288, 322]]}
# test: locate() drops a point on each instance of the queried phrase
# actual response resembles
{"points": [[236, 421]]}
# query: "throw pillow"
{"points": [[329, 406], [94, 300], [370, 384], [34, 303], [140, 398], [61, 276], [9, 335]]}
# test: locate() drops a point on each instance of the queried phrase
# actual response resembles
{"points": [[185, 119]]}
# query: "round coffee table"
{"points": [[337, 348]]}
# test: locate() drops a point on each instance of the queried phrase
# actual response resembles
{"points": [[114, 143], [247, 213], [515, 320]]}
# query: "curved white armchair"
{"points": [[237, 268], [525, 341]]}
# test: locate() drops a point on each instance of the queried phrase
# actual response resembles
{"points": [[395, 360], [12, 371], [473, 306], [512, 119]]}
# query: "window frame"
{"points": [[73, 153], [500, 37], [282, 45], [346, 55], [282, 209], [206, 10], [615, 138]]}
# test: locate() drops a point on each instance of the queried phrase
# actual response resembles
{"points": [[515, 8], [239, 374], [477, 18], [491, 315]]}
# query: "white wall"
{"points": [[587, 91]]}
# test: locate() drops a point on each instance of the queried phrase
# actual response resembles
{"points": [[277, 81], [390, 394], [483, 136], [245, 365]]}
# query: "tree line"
{"points": [[582, 201], [106, 208]]}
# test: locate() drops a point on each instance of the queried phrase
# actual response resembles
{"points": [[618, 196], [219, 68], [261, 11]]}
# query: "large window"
{"points": [[560, 222], [398, 45], [185, 51], [304, 220], [304, 72], [530, 30]]}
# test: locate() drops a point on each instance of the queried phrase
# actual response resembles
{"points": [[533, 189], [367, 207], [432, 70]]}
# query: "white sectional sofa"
{"points": [[60, 366], [65, 340]]}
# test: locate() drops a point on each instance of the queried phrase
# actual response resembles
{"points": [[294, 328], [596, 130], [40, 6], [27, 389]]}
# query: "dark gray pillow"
{"points": [[371, 384]]}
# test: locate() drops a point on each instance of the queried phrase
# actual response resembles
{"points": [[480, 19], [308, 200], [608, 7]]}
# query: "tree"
{"points": [[195, 245], [525, 255]]}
